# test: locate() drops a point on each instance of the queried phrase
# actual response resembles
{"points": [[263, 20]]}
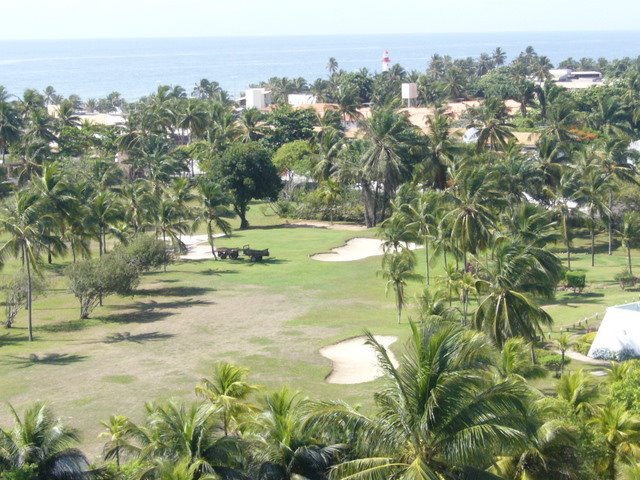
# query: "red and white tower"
{"points": [[386, 61]]}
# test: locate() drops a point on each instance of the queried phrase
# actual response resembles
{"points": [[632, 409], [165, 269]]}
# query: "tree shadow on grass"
{"points": [[176, 291], [573, 300], [217, 272], [64, 327], [8, 339], [60, 359], [139, 338], [267, 262]]}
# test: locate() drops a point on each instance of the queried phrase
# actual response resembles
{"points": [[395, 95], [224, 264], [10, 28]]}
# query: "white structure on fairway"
{"points": [[259, 98], [619, 332]]}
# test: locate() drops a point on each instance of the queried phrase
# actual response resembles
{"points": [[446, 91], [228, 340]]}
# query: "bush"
{"points": [[583, 343], [16, 292], [148, 252], [92, 280], [626, 389], [625, 279], [576, 281], [552, 361]]}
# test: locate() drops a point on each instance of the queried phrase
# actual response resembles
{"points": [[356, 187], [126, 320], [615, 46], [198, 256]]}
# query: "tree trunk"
{"points": [[629, 260], [100, 243], [561, 362], [29, 297], [210, 234], [426, 257], [534, 358], [609, 226], [593, 246], [164, 242]]}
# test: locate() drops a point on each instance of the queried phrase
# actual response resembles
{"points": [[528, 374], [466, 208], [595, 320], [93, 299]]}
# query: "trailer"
{"points": [[223, 253], [253, 254]]}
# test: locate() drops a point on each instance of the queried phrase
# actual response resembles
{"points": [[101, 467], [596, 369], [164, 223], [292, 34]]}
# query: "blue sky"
{"points": [[43, 19]]}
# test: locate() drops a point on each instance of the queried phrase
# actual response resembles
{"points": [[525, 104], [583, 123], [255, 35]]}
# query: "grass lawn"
{"points": [[272, 317]]}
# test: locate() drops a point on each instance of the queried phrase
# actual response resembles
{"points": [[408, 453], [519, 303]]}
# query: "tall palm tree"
{"points": [[421, 214], [228, 393], [507, 309], [39, 439], [10, 126], [171, 223], [192, 118], [215, 211], [630, 235], [105, 211], [397, 269], [439, 414], [250, 123], [470, 215], [442, 149], [23, 220], [564, 342]]}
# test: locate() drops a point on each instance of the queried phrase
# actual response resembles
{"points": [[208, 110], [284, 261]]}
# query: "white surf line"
{"points": [[356, 249], [356, 362]]}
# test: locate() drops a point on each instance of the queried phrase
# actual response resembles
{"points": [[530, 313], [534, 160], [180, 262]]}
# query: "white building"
{"points": [[259, 98], [619, 332], [560, 74], [410, 93], [299, 99]]}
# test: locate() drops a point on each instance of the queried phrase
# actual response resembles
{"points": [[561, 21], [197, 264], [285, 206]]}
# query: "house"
{"points": [[619, 334]]}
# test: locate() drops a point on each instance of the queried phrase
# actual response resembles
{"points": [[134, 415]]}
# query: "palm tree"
{"points": [[439, 414], [190, 433], [332, 66], [470, 216], [630, 235], [397, 269], [10, 126], [507, 310], [215, 210], [24, 220], [564, 342], [442, 149], [39, 439], [498, 56], [105, 211], [286, 446], [118, 434], [551, 452], [227, 392], [621, 432], [193, 118], [490, 119], [578, 391], [421, 214], [171, 223], [250, 122]]}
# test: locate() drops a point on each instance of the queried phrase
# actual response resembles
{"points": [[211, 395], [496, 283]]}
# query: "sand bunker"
{"points": [[356, 362], [198, 247], [355, 249]]}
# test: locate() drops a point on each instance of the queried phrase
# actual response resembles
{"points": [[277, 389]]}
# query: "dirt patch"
{"points": [[347, 227], [354, 361], [198, 247]]}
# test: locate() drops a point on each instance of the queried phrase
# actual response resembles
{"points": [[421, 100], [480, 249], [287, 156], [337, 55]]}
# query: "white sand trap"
{"points": [[198, 247], [354, 361], [355, 249]]}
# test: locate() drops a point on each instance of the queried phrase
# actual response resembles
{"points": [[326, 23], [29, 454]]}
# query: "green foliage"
{"points": [[16, 293], [147, 252], [583, 343], [625, 279], [552, 361], [247, 173], [626, 390], [288, 124], [93, 280], [577, 281]]}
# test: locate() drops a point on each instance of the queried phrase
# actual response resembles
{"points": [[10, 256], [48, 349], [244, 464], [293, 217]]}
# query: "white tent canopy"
{"points": [[619, 333]]}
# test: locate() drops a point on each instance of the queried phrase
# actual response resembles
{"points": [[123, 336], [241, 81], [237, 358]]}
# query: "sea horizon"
{"points": [[136, 66]]}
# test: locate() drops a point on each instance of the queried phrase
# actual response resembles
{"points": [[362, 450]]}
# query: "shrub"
{"points": [[576, 281], [583, 343], [626, 389], [625, 279], [552, 361], [92, 280], [148, 252], [16, 292]]}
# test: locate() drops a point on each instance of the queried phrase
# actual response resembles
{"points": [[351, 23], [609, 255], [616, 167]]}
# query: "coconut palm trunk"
{"points": [[609, 222], [426, 257], [629, 260], [29, 292]]}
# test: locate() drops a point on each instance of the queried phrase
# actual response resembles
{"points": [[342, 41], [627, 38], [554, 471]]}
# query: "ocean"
{"points": [[135, 67]]}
